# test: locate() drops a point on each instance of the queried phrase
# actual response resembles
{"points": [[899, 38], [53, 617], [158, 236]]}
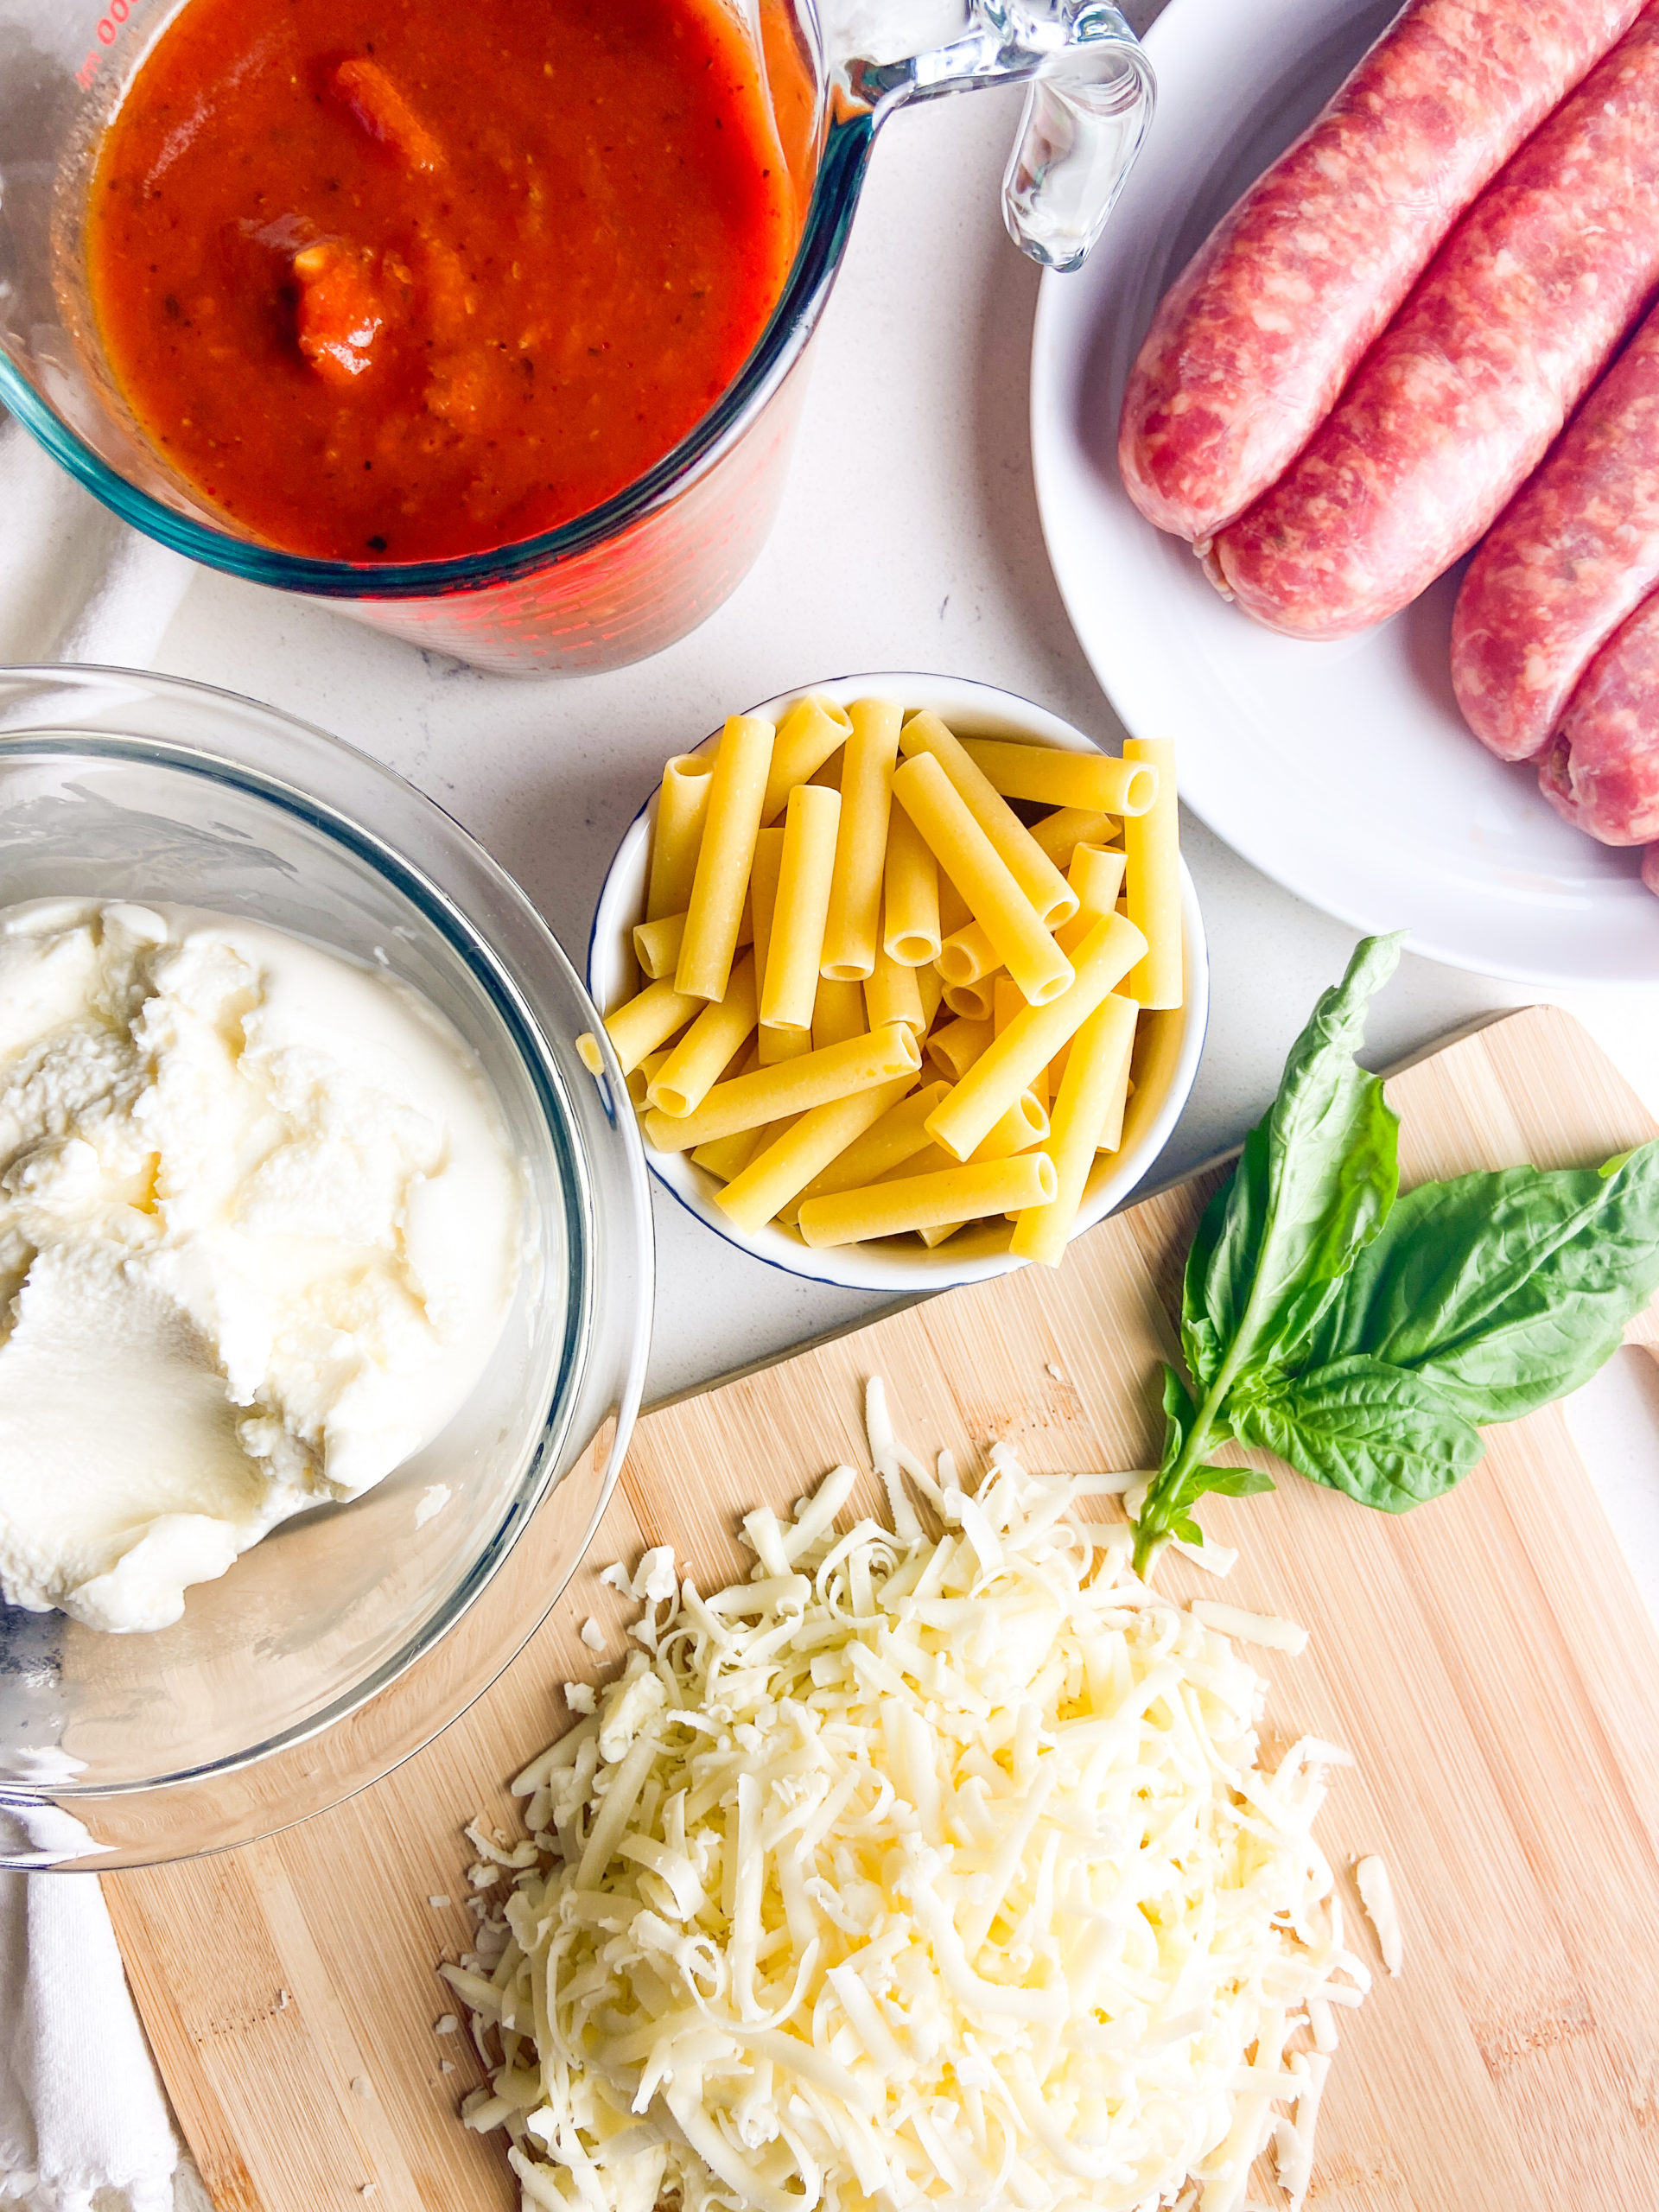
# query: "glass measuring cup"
{"points": [[639, 571]]}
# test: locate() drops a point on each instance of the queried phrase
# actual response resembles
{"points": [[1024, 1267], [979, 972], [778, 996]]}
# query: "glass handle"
{"points": [[1090, 101]]}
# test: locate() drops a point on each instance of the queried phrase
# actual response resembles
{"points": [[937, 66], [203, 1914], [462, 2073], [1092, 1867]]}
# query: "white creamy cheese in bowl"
{"points": [[258, 1231], [324, 1270]]}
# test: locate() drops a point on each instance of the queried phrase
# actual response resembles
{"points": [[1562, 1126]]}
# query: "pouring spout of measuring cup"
{"points": [[1090, 102]]}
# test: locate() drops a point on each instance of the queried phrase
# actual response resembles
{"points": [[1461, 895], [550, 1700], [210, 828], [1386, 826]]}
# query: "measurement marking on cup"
{"points": [[109, 29]]}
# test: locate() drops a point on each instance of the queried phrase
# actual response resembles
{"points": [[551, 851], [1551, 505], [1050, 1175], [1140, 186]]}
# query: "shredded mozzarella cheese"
{"points": [[1376, 1895], [915, 1869], [1265, 1629]]}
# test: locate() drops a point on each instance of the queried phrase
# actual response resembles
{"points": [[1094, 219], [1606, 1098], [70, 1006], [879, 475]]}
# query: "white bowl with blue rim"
{"points": [[902, 1266]]}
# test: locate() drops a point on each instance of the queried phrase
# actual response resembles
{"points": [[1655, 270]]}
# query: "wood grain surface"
{"points": [[1487, 1659]]}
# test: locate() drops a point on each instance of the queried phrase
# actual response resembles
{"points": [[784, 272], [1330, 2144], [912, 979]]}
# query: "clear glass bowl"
{"points": [[351, 1635]]}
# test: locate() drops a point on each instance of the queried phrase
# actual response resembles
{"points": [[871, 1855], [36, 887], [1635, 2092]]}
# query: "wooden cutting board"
{"points": [[1487, 1659]]}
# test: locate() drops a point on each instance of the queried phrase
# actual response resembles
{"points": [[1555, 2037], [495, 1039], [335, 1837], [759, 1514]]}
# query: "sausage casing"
{"points": [[1255, 340], [1600, 770], [1574, 552], [1460, 397]]}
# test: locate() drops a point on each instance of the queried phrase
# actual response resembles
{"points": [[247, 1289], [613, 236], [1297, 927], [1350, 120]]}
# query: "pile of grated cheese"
{"points": [[916, 1869]]}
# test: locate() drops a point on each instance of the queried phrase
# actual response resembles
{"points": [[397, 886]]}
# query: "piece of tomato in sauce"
{"points": [[396, 280]]}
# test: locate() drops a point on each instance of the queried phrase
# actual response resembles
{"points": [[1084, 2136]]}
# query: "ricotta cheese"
{"points": [[260, 1226]]}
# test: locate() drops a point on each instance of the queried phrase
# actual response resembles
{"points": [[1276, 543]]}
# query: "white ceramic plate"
{"points": [[899, 1267], [1344, 771]]}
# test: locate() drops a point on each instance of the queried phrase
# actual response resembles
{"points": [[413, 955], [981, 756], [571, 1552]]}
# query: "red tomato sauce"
{"points": [[394, 280]]}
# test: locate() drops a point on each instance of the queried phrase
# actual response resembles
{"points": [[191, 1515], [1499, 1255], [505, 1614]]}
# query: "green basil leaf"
{"points": [[1317, 1179], [1168, 1512], [1234, 1482], [1178, 1418], [1383, 1435], [1505, 1291], [1201, 1346]]}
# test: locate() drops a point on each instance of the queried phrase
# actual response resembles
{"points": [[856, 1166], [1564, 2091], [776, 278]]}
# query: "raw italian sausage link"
{"points": [[1600, 771], [1255, 338], [1574, 552], [1650, 869], [1457, 402]]}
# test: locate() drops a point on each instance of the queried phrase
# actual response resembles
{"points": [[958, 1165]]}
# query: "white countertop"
{"points": [[909, 539]]}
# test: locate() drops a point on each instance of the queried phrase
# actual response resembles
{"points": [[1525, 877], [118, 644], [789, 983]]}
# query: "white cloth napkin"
{"points": [[84, 2125], [75, 583]]}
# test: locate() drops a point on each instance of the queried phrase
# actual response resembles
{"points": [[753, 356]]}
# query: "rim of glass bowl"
{"points": [[513, 999], [790, 325]]}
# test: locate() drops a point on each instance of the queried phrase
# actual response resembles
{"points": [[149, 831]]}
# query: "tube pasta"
{"points": [[1059, 835], [763, 893], [969, 1192], [837, 1013], [891, 993], [1024, 1124], [1093, 781], [1112, 1129], [1099, 873], [1006, 1002], [966, 855], [898, 1136], [974, 1001], [793, 1077], [681, 807], [647, 1022], [1095, 1072], [1096, 876], [780, 1173], [813, 729], [956, 1047], [968, 954], [777, 1044], [980, 1239], [954, 913], [1025, 860], [1010, 1062], [725, 1157], [699, 1059], [1157, 1050], [910, 903], [1056, 1075], [792, 1086], [742, 1062], [850, 931], [725, 857], [795, 943], [1153, 880], [1158, 1047], [656, 944], [643, 1077]]}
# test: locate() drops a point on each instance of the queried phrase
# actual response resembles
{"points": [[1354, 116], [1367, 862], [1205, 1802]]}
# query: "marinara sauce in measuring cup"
{"points": [[482, 322]]}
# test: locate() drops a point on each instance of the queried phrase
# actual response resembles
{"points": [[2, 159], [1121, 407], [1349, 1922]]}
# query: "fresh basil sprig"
{"points": [[1360, 1340]]}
